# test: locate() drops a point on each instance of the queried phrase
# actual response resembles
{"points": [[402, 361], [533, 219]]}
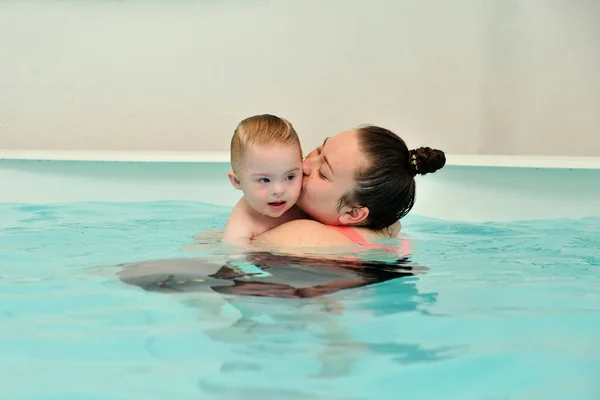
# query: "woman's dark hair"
{"points": [[387, 185]]}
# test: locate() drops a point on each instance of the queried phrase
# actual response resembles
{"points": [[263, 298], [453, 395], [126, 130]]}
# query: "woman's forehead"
{"points": [[343, 141], [343, 151]]}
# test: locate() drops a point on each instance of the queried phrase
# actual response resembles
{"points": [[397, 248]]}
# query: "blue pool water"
{"points": [[505, 311]]}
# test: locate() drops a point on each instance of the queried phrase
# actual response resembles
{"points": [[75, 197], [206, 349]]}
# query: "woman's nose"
{"points": [[307, 166]]}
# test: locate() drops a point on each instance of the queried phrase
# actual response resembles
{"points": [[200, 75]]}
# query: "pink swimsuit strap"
{"points": [[361, 241]]}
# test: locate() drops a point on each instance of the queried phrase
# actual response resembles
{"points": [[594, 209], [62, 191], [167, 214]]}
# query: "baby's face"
{"points": [[271, 178]]}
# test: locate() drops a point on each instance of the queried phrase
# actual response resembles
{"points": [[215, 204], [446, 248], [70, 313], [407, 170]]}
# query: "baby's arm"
{"points": [[240, 227]]}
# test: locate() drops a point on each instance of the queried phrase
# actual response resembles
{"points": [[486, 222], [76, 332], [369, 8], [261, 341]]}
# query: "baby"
{"points": [[266, 161]]}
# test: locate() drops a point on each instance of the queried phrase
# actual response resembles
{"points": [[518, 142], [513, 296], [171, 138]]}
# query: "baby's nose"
{"points": [[278, 190]]}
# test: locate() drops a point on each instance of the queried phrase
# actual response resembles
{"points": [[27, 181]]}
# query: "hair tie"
{"points": [[414, 163]]}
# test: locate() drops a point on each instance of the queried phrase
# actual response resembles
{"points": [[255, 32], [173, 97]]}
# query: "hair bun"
{"points": [[426, 160]]}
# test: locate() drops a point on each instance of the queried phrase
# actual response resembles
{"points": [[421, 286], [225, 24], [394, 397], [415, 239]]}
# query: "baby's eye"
{"points": [[290, 177], [264, 180]]}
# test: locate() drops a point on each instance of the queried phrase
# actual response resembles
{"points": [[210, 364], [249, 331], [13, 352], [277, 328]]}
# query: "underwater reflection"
{"points": [[314, 296]]}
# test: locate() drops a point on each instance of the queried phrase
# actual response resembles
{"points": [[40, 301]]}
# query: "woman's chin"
{"points": [[315, 212]]}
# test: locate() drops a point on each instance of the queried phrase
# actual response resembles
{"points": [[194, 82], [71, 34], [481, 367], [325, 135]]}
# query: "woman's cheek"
{"points": [[317, 189]]}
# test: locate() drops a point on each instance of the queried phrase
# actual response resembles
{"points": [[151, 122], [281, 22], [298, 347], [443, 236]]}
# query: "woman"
{"points": [[357, 186]]}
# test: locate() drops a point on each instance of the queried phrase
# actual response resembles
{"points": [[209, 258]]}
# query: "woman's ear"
{"points": [[235, 181], [353, 215]]}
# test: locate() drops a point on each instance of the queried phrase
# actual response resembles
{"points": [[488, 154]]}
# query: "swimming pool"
{"points": [[508, 308]]}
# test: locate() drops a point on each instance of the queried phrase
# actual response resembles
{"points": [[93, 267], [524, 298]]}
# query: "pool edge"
{"points": [[467, 160]]}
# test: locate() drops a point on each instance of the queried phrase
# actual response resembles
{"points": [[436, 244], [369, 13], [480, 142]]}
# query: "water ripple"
{"points": [[512, 306]]}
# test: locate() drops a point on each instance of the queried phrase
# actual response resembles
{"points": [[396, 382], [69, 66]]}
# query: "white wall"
{"points": [[466, 76]]}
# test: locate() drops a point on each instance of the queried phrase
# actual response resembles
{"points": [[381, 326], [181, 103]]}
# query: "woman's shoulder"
{"points": [[392, 231], [303, 232]]}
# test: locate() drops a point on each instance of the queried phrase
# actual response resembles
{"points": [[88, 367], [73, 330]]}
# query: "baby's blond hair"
{"points": [[265, 129]]}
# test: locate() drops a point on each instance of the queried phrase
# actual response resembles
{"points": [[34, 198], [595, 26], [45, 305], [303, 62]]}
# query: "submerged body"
{"points": [[263, 274]]}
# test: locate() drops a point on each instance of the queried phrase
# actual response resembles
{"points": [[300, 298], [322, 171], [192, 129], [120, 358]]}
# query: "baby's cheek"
{"points": [[297, 188], [260, 192]]}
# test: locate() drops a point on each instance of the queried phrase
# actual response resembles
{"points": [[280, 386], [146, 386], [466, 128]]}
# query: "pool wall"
{"points": [[469, 188], [465, 76]]}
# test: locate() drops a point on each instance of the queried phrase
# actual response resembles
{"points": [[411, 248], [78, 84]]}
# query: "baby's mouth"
{"points": [[276, 205]]}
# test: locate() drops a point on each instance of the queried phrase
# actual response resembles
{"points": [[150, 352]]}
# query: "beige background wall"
{"points": [[467, 76]]}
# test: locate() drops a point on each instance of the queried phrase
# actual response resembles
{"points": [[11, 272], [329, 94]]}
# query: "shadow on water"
{"points": [[314, 296]]}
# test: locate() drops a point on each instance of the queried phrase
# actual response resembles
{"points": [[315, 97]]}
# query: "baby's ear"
{"points": [[235, 181]]}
